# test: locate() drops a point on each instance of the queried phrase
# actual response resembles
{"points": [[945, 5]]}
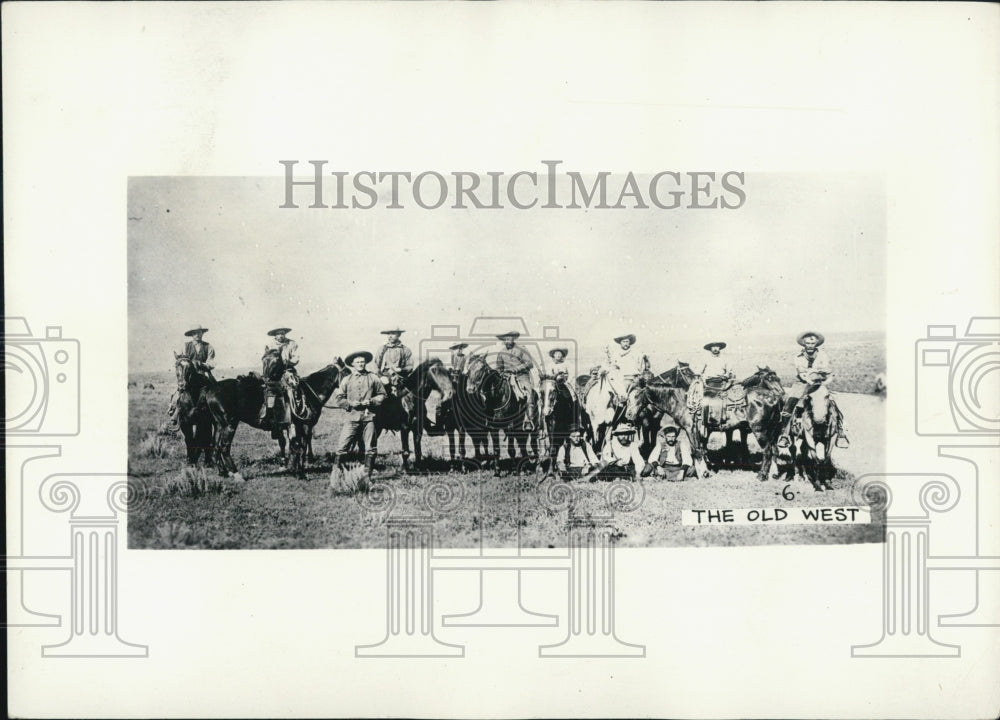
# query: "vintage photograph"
{"points": [[301, 342]]}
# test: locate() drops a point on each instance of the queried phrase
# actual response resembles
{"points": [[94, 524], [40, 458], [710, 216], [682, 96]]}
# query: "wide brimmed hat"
{"points": [[720, 345], [279, 331], [553, 351], [459, 346], [360, 353], [513, 335], [623, 430], [397, 331], [575, 428], [819, 338], [671, 428], [630, 337], [196, 329]]}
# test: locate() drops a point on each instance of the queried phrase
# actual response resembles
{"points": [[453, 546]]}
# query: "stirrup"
{"points": [[784, 441], [843, 442]]}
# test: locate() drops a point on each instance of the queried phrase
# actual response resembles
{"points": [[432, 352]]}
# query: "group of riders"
{"points": [[363, 390]]}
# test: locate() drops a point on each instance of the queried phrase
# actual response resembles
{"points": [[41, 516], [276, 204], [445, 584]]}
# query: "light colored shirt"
{"points": [[677, 454], [394, 356], [554, 369], [576, 456], [458, 360], [517, 360], [628, 362], [715, 367], [356, 389], [289, 351], [201, 352], [617, 454], [803, 367]]}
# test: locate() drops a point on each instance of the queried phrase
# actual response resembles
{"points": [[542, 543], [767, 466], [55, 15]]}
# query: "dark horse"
{"points": [[485, 404], [404, 410], [234, 401], [192, 414], [752, 405], [558, 412], [815, 434]]}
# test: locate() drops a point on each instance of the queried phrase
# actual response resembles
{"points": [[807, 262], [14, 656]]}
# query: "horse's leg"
{"points": [[417, 444], [189, 443], [494, 435], [404, 439]]}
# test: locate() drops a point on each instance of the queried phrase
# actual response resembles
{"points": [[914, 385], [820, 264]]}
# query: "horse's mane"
{"points": [[759, 378]]}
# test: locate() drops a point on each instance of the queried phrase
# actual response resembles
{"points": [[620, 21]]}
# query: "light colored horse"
{"points": [[599, 404]]}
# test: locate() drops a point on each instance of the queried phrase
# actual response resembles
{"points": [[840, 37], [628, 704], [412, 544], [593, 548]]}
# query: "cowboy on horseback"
{"points": [[458, 358], [558, 369], [276, 361], [623, 365], [716, 375], [202, 357], [358, 394], [812, 369], [515, 363], [393, 362]]}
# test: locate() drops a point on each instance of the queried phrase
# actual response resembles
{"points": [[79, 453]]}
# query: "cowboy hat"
{"points": [[360, 353], [397, 331], [513, 335], [671, 429], [574, 428], [196, 329], [630, 337], [819, 338], [459, 346], [720, 345], [553, 351], [279, 331], [623, 430]]}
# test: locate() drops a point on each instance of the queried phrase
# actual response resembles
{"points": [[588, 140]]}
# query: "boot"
{"points": [[370, 464]]}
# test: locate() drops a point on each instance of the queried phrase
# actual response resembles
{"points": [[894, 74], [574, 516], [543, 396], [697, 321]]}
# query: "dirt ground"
{"points": [[178, 508]]}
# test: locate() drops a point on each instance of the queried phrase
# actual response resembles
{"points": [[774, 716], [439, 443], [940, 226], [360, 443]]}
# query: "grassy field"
{"points": [[179, 507]]}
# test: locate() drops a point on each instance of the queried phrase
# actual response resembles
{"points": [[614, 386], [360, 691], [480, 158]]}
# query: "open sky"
{"points": [[806, 251]]}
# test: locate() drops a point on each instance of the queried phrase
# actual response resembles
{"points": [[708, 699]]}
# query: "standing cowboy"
{"points": [[812, 367], [515, 363], [394, 361], [624, 364], [284, 356], [358, 394], [202, 357], [716, 370], [458, 358]]}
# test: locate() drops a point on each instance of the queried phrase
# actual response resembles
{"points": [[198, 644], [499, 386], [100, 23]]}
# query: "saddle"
{"points": [[720, 399]]}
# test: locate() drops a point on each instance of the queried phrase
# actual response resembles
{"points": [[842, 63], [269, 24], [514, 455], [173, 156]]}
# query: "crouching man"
{"points": [[671, 458], [358, 394], [621, 457], [575, 458]]}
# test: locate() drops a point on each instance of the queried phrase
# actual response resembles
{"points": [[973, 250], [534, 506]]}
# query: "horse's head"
{"points": [[431, 375], [272, 367], [183, 370], [818, 405], [636, 402]]}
